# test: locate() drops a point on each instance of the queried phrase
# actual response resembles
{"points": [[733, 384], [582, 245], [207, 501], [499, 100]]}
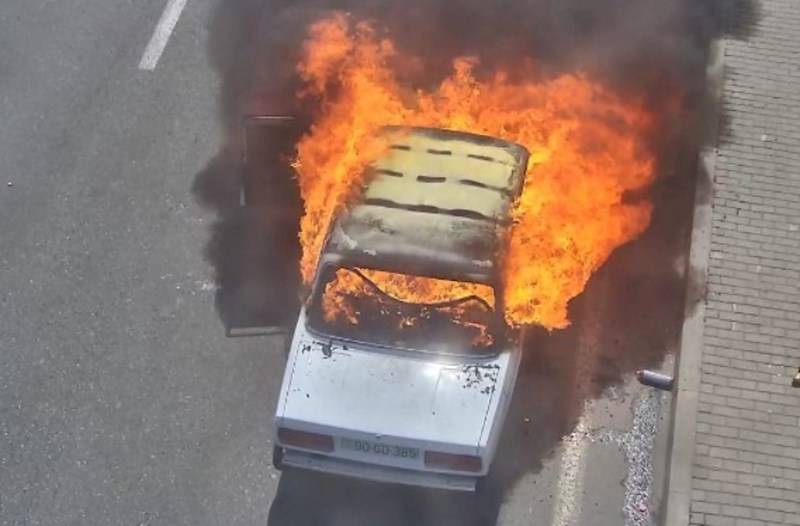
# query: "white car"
{"points": [[422, 404], [380, 384]]}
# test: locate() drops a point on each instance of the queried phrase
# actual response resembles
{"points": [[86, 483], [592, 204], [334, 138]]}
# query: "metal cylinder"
{"points": [[653, 379]]}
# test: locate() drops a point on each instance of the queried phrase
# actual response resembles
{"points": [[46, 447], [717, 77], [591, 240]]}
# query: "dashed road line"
{"points": [[164, 28], [570, 477], [567, 511]]}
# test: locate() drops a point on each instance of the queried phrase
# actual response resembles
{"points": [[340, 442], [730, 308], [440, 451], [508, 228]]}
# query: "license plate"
{"points": [[379, 449]]}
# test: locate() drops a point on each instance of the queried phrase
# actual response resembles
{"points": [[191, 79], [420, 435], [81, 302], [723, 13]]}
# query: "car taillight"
{"points": [[305, 440], [435, 459]]}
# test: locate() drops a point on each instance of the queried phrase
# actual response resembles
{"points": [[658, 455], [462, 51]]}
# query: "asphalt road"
{"points": [[121, 401]]}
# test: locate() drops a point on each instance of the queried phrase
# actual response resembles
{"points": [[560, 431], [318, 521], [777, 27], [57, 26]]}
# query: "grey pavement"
{"points": [[121, 402], [745, 466]]}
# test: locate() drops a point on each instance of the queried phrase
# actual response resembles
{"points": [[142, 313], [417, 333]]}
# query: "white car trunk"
{"points": [[397, 398]]}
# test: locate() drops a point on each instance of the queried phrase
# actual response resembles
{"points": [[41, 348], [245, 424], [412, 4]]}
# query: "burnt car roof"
{"points": [[438, 203]]}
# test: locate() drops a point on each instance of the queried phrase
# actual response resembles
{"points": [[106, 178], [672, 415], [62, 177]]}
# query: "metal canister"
{"points": [[654, 379]]}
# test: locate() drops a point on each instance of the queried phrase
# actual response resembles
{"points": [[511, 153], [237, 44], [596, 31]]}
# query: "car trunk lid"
{"points": [[386, 406]]}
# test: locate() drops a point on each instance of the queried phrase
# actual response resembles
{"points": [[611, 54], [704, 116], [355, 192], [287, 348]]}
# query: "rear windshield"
{"points": [[404, 311]]}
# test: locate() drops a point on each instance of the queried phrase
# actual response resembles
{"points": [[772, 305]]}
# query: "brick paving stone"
{"points": [[747, 456]]}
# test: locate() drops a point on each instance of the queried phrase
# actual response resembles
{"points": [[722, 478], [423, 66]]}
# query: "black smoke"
{"points": [[644, 46]]}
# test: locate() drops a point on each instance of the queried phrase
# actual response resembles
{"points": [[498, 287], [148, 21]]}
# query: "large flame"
{"points": [[587, 151]]}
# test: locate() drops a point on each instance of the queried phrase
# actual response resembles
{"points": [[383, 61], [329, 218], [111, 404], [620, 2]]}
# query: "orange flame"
{"points": [[338, 305], [586, 143]]}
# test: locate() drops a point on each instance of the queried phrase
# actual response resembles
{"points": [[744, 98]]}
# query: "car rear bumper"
{"points": [[349, 468]]}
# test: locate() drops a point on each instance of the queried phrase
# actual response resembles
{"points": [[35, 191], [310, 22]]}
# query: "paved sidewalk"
{"points": [[746, 463]]}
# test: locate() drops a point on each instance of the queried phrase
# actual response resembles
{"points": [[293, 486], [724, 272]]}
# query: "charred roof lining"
{"points": [[452, 229], [390, 173], [432, 151], [467, 214], [464, 181], [482, 157], [478, 184], [431, 179]]}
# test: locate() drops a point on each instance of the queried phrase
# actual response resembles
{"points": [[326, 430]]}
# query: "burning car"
{"points": [[417, 282], [380, 385]]}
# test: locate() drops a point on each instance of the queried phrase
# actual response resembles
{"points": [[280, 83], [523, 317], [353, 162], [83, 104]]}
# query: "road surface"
{"points": [[121, 401]]}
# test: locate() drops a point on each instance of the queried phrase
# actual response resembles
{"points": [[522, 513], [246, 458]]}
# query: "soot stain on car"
{"points": [[478, 376]]}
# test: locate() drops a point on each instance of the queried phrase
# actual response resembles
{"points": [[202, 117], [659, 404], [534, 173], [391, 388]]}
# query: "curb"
{"points": [[681, 446]]}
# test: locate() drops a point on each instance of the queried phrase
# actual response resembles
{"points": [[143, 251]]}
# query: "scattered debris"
{"points": [[637, 447]]}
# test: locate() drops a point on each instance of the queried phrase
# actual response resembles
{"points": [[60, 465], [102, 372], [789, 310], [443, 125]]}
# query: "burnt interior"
{"points": [[459, 326]]}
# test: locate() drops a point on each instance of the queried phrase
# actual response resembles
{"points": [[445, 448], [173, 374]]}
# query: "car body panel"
{"points": [[405, 398], [377, 473]]}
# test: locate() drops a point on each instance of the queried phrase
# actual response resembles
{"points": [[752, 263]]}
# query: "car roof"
{"points": [[437, 203]]}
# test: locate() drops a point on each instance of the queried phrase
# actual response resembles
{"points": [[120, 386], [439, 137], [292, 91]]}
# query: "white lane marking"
{"points": [[570, 477], [164, 28], [567, 511]]}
